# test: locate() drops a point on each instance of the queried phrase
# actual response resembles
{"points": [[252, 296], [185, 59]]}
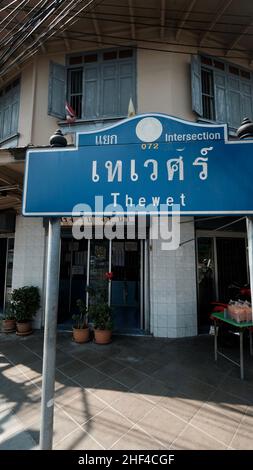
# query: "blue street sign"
{"points": [[149, 164]]}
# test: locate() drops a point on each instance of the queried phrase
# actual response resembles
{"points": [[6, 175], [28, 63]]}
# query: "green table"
{"points": [[242, 327]]}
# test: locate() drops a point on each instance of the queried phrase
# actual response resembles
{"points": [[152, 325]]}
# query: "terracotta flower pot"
{"points": [[9, 326], [24, 328], [81, 335], [103, 336]]}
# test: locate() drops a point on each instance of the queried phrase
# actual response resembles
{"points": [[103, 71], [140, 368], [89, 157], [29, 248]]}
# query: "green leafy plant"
{"points": [[25, 301], [80, 319], [9, 313], [99, 310]]}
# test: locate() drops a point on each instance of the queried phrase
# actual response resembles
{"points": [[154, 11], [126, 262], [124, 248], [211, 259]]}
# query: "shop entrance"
{"points": [[6, 266], [221, 264], [86, 262]]}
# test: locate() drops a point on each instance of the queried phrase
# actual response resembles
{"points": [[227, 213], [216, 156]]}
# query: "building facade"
{"points": [[184, 67]]}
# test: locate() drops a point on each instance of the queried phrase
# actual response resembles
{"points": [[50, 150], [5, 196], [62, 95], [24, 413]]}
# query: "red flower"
{"points": [[109, 276]]}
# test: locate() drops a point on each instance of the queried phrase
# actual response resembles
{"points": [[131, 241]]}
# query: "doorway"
{"points": [[126, 288], [221, 261], [6, 268], [86, 262]]}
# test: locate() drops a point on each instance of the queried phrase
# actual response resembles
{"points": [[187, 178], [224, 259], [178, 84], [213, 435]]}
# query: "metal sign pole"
{"points": [[50, 327], [49, 351], [245, 131], [250, 253]]}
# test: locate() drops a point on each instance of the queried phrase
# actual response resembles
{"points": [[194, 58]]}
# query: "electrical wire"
{"points": [[152, 41], [166, 25], [36, 43], [29, 54], [169, 10], [54, 29], [9, 52], [12, 13], [8, 6]]}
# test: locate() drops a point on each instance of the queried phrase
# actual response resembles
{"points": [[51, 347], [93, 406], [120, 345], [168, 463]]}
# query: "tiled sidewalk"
{"points": [[136, 393]]}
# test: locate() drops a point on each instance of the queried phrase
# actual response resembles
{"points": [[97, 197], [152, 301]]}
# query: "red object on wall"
{"points": [[109, 276]]}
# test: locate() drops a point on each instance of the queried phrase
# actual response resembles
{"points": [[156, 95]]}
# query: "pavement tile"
{"points": [[194, 439], [243, 439], [108, 427], [109, 390], [180, 405], [130, 377], [89, 377], [137, 439], [109, 367], [215, 423], [162, 425], [78, 440], [132, 407], [151, 389], [21, 440], [72, 367], [63, 425], [136, 393], [82, 410]]}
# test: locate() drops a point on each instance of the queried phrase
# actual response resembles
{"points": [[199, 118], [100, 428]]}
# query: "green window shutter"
{"points": [[246, 100], [7, 115], [57, 90], [91, 91], [234, 102], [126, 86], [1, 117], [220, 97], [15, 109], [109, 90], [197, 105]]}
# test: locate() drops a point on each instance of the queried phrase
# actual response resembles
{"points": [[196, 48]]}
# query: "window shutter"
{"points": [[109, 90], [246, 100], [91, 91], [57, 90], [126, 86], [197, 105], [220, 97], [234, 101], [7, 115], [1, 117], [15, 109]]}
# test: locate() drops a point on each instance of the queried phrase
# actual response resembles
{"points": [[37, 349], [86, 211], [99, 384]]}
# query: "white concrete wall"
{"points": [[28, 264], [173, 302]]}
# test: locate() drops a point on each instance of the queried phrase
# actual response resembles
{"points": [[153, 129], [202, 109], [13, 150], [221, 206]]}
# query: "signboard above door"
{"points": [[145, 164]]}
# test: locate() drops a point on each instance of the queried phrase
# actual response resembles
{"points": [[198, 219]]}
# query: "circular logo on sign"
{"points": [[149, 129]]}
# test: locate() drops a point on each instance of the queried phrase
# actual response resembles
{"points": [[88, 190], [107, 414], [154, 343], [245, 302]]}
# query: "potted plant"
{"points": [[9, 321], [101, 315], [80, 323], [25, 302]]}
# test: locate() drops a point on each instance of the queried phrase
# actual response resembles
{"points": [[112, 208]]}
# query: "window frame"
{"points": [[13, 87], [226, 74], [85, 65]]}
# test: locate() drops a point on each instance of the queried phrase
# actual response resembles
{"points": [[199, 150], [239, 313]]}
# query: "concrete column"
{"points": [[173, 286], [28, 263]]}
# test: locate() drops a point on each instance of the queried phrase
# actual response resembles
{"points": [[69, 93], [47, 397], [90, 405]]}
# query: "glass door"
{"points": [[126, 288], [73, 277], [206, 279], [99, 265], [9, 269]]}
